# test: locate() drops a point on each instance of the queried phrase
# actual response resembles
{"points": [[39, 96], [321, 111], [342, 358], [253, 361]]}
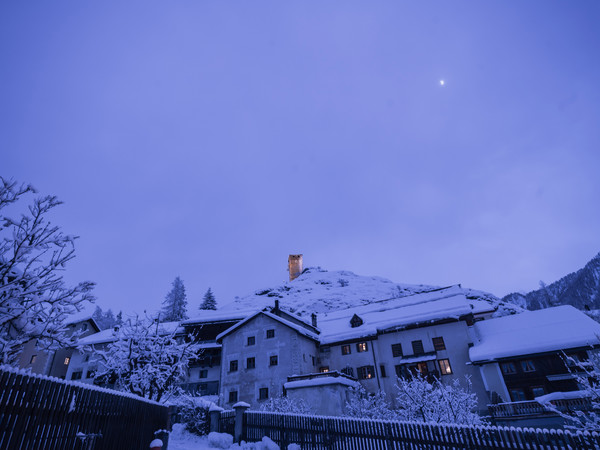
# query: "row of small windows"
{"points": [[367, 372], [360, 347], [77, 375], [251, 363], [270, 334], [509, 368], [417, 346], [263, 394]]}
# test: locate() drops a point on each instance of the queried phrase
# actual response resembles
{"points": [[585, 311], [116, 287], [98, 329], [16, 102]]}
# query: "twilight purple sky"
{"points": [[209, 139]]}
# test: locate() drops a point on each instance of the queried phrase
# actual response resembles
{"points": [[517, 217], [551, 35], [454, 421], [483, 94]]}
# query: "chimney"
{"points": [[313, 316], [294, 266], [276, 309], [116, 328]]}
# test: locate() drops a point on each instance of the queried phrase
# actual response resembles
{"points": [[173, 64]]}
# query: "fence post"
{"points": [[214, 415], [240, 408]]}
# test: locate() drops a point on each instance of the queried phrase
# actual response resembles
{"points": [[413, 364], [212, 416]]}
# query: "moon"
{"points": [[442, 82]]}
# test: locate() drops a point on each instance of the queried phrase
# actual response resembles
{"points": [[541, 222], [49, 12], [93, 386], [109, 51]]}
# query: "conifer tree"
{"points": [[175, 303], [209, 301]]}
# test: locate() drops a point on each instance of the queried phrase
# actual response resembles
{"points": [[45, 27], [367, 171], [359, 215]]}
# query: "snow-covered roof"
{"points": [[208, 316], [320, 381], [398, 313], [81, 316], [299, 328], [531, 332], [110, 335]]}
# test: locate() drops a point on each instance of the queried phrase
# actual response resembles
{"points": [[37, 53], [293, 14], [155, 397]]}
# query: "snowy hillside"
{"points": [[318, 290], [580, 289]]}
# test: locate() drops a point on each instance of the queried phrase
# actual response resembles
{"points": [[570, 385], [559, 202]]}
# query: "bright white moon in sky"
{"points": [[442, 82]]}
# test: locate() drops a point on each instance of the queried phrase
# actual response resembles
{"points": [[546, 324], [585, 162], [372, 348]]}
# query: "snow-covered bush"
{"points": [[34, 300], [369, 406], [419, 400], [285, 405], [220, 440], [193, 413]]}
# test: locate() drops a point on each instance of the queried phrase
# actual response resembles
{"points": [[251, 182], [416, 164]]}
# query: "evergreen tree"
{"points": [[209, 301], [119, 319], [175, 304]]}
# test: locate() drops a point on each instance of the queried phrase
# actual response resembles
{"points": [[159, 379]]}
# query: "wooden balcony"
{"points": [[533, 408]]}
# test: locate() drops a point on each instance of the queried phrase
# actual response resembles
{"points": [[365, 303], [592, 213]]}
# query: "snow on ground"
{"points": [[180, 439]]}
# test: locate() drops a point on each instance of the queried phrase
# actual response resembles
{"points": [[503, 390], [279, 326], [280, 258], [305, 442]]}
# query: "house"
{"points": [[204, 373], [530, 355], [55, 363], [427, 333], [261, 351]]}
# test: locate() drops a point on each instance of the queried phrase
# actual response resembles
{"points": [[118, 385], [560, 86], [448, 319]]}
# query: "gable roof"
{"points": [[531, 332], [296, 327], [399, 313], [210, 316]]}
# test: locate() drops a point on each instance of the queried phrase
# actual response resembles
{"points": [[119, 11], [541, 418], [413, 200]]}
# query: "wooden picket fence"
{"points": [[332, 433], [227, 422], [38, 412]]}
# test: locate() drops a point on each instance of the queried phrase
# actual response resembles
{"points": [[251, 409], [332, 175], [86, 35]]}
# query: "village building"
{"points": [[56, 362], [261, 351], [531, 357]]}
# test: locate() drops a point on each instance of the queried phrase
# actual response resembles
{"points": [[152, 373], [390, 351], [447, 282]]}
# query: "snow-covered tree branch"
{"points": [[34, 300], [587, 375], [419, 400], [146, 359]]}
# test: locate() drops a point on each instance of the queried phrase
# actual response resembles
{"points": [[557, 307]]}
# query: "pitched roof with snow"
{"points": [[299, 328], [531, 332], [399, 313], [209, 316], [110, 335]]}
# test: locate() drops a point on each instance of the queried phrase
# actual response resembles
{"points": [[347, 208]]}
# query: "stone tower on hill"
{"points": [[294, 266]]}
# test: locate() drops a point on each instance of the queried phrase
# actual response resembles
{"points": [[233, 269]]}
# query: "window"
{"points": [[508, 368], [250, 363], [517, 395], [67, 360], [203, 374], [365, 372], [348, 371], [84, 327], [251, 340], [324, 369], [361, 347], [438, 343], [273, 360], [356, 321], [76, 375], [233, 365], [422, 368], [232, 396], [346, 350], [263, 393], [528, 366], [33, 358], [417, 347], [382, 371], [538, 390], [314, 363], [396, 350], [445, 368], [270, 334]]}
